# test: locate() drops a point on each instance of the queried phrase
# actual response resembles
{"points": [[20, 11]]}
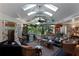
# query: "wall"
{"points": [[3, 31]]}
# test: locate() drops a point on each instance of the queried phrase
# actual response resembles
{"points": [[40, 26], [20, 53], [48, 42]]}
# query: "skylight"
{"points": [[31, 13], [52, 7], [48, 13], [26, 7]]}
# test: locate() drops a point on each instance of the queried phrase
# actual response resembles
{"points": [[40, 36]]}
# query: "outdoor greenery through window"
{"points": [[39, 29]]}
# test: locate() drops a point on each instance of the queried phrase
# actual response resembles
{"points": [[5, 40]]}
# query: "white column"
{"points": [[65, 29], [54, 29]]}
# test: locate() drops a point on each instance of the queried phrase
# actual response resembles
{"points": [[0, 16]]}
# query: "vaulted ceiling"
{"points": [[15, 10]]}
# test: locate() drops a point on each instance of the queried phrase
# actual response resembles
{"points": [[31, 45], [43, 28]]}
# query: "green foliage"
{"points": [[38, 29]]}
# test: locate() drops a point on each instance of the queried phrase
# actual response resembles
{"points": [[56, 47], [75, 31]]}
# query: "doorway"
{"points": [[10, 36]]}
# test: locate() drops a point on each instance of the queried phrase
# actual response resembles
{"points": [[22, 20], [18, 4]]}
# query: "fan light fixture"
{"points": [[38, 23]]}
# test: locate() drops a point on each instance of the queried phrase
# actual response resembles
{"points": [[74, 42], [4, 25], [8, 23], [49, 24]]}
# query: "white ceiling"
{"points": [[15, 10]]}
